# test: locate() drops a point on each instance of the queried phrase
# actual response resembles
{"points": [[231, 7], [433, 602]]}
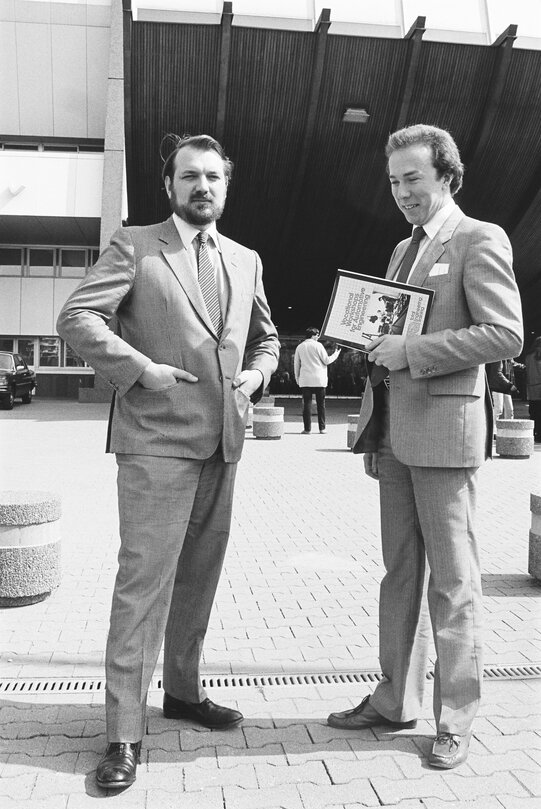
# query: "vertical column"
{"points": [[113, 167]]}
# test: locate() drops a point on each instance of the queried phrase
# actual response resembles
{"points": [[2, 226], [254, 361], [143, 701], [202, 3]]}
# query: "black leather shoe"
{"points": [[206, 713], [117, 767], [365, 716]]}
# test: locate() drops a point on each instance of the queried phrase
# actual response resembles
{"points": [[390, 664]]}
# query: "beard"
{"points": [[199, 211]]}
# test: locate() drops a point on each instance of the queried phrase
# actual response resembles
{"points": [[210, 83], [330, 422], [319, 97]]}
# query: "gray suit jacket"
{"points": [[144, 278], [440, 406]]}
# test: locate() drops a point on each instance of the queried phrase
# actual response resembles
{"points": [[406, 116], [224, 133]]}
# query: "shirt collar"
{"points": [[188, 232], [435, 223]]}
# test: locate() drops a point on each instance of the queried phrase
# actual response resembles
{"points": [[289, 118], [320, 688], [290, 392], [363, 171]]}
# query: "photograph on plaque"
{"points": [[364, 307]]}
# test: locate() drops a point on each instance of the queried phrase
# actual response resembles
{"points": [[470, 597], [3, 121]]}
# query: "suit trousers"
{"points": [[175, 516], [427, 513]]}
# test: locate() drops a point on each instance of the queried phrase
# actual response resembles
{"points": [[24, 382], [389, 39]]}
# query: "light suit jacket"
{"points": [[440, 408], [145, 278]]}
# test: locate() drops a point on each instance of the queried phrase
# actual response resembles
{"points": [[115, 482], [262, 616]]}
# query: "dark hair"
{"points": [[445, 154], [205, 143], [312, 332]]}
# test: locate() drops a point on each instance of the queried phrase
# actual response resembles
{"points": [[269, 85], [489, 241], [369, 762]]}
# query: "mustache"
{"points": [[200, 198]]}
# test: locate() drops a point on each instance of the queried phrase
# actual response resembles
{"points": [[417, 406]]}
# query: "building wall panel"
{"points": [[10, 305], [35, 79], [37, 295], [69, 81], [9, 96], [97, 71]]}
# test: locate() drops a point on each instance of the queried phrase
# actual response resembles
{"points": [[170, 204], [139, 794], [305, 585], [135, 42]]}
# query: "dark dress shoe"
{"points": [[206, 713], [449, 750], [117, 767], [364, 716]]}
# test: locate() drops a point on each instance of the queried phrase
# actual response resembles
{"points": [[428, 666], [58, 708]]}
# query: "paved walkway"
{"points": [[298, 596]]}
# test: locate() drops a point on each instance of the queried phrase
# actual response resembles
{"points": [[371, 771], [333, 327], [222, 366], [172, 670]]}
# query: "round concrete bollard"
{"points": [[250, 419], [268, 422], [29, 547], [534, 550], [353, 418], [514, 438]]}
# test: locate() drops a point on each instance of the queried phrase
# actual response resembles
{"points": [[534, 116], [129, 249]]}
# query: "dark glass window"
{"points": [[25, 347], [73, 263], [41, 262], [10, 261]]}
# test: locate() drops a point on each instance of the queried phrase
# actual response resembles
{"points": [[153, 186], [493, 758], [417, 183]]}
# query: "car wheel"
{"points": [[26, 398], [8, 401]]}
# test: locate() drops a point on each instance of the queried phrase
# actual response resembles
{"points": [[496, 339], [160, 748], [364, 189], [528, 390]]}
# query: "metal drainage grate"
{"points": [[79, 685]]}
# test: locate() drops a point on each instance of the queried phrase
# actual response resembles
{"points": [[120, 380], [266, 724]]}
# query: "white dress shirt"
{"points": [[431, 228], [188, 236]]}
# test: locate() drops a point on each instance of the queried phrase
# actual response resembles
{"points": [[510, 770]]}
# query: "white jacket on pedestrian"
{"points": [[310, 364]]}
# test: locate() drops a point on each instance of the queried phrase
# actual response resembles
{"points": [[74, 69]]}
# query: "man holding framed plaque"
{"points": [[425, 428]]}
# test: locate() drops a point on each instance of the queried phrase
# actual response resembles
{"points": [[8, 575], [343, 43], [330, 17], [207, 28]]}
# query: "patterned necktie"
{"points": [[207, 282], [410, 255], [379, 373]]}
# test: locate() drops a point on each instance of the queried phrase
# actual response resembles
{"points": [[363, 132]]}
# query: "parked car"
{"points": [[17, 380]]}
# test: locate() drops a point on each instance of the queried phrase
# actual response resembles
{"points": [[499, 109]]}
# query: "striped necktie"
{"points": [[207, 282], [379, 373]]}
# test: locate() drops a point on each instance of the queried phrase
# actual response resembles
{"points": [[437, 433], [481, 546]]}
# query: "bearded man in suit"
{"points": [[425, 427], [195, 344]]}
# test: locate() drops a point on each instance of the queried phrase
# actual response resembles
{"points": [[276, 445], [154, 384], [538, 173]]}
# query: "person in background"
{"points": [[425, 427], [502, 388], [310, 367], [195, 345], [532, 364]]}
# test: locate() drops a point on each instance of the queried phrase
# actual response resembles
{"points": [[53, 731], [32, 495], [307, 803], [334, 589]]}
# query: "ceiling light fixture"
{"points": [[355, 115]]}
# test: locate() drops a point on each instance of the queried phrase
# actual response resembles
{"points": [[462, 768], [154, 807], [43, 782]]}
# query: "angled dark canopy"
{"points": [[309, 191]]}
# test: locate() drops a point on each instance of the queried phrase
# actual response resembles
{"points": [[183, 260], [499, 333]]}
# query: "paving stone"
{"points": [[531, 780], [515, 724], [197, 777], [525, 740], [511, 802], [359, 791], [284, 797], [54, 802], [191, 739], [467, 788], [270, 753], [275, 775], [55, 745], [342, 772], [485, 802], [511, 762], [256, 737], [20, 785], [128, 799], [431, 785], [204, 799]]}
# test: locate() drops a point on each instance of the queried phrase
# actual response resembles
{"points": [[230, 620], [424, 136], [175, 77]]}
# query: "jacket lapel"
{"points": [[234, 279], [435, 248], [176, 256]]}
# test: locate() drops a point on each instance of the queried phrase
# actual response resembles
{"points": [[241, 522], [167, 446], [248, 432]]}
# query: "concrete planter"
{"points": [[268, 422], [514, 438], [353, 418], [29, 547], [534, 550]]}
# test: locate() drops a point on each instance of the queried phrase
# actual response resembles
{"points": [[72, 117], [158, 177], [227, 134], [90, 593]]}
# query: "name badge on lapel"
{"points": [[439, 269]]}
